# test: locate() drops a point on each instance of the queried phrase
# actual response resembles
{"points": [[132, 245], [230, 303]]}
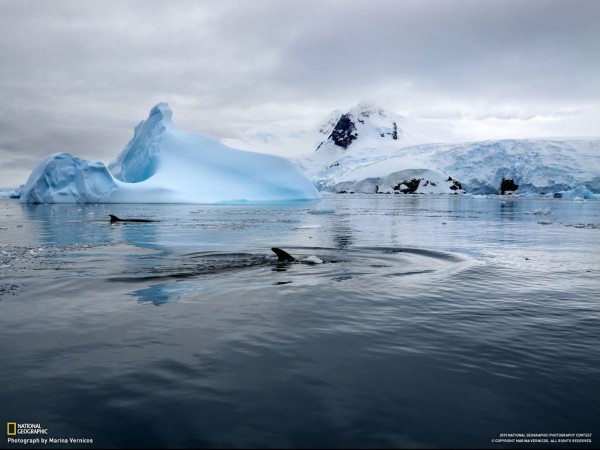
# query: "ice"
{"points": [[539, 212], [323, 211], [163, 164], [372, 144], [539, 167], [313, 259], [580, 192], [309, 227], [372, 154], [11, 193], [139, 159], [64, 178]]}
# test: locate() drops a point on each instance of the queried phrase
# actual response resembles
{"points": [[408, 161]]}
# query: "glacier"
{"points": [[562, 168], [164, 164], [368, 150]]}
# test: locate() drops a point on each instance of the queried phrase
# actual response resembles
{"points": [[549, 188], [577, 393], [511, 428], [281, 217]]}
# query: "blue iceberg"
{"points": [[164, 164]]}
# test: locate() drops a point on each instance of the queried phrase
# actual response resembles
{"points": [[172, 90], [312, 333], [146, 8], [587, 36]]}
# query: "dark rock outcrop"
{"points": [[455, 186], [508, 186], [407, 181], [408, 186], [344, 132]]}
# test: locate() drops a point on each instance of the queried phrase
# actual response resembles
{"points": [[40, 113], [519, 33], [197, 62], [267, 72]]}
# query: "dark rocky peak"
{"points": [[362, 120], [344, 132]]}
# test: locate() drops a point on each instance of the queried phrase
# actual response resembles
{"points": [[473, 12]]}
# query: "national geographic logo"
{"points": [[14, 428], [34, 434]]}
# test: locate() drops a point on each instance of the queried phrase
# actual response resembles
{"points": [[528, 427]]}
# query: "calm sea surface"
{"points": [[409, 321]]}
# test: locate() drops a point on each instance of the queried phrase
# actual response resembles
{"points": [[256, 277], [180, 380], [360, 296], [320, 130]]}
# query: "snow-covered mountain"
{"points": [[164, 164], [369, 150], [297, 140], [360, 137]]}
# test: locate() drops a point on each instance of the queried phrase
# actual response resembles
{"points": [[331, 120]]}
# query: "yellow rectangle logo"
{"points": [[11, 428]]}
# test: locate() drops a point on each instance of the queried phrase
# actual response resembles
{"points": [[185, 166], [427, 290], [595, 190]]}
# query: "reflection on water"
{"points": [[342, 235], [67, 224], [156, 294]]}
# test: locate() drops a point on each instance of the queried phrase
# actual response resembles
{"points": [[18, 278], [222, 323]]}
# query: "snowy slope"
{"points": [[297, 140], [163, 164]]}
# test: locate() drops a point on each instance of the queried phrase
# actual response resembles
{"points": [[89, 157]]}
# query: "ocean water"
{"points": [[405, 322]]}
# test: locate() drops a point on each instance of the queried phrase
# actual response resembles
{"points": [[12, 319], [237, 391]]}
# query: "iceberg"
{"points": [[164, 164]]}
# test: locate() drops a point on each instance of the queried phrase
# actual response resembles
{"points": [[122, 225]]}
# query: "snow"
{"points": [[164, 164], [413, 181], [541, 167], [358, 161], [537, 166]]}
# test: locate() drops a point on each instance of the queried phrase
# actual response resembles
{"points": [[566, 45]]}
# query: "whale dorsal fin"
{"points": [[114, 218], [282, 255]]}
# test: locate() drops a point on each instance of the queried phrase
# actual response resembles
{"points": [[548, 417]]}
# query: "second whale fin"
{"points": [[114, 219]]}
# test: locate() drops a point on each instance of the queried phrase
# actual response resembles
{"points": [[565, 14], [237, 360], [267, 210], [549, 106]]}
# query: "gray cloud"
{"points": [[77, 76]]}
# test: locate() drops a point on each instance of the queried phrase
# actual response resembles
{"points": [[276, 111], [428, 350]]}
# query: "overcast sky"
{"points": [[77, 76]]}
